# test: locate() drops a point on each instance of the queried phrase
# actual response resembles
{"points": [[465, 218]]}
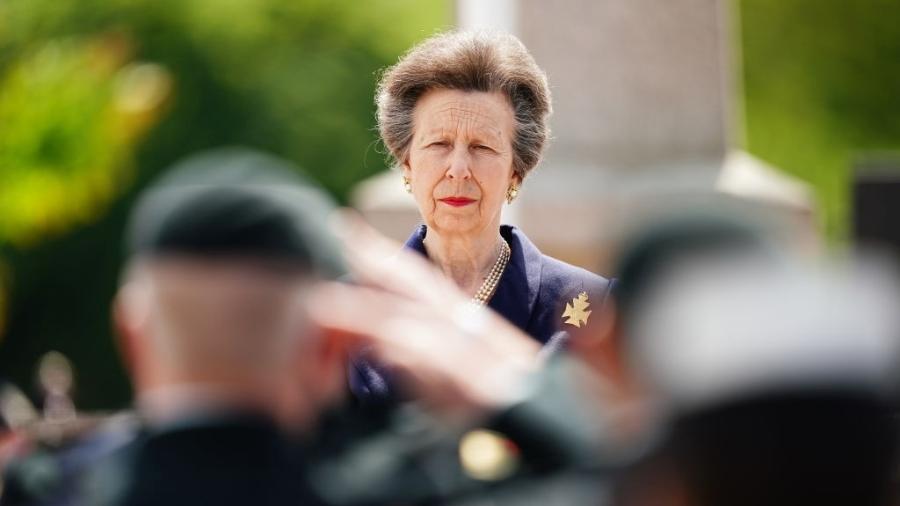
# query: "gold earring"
{"points": [[511, 193], [406, 185]]}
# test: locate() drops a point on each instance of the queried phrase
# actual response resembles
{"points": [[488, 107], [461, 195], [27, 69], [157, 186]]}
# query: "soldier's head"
{"points": [[772, 375], [224, 249]]}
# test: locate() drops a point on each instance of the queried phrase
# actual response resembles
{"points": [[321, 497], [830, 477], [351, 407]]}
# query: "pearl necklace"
{"points": [[486, 291]]}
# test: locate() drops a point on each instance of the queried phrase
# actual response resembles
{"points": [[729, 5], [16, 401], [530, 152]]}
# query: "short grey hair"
{"points": [[488, 62]]}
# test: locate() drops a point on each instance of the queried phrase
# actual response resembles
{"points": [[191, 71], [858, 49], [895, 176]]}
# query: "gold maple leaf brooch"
{"points": [[577, 311]]}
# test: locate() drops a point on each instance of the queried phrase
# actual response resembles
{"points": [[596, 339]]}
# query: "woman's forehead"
{"points": [[475, 112]]}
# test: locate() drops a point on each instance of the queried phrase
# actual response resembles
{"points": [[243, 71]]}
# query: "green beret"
{"points": [[240, 203]]}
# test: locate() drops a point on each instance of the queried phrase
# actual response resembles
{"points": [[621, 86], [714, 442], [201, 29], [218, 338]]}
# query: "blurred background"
{"points": [[791, 107]]}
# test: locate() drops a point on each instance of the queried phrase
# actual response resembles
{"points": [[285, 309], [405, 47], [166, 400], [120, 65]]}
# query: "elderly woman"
{"points": [[464, 116]]}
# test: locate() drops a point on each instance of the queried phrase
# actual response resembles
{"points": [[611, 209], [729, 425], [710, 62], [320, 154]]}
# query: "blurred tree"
{"points": [[71, 115], [81, 81], [821, 84]]}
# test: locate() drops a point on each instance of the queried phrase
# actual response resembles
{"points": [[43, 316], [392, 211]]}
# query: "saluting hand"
{"points": [[460, 359]]}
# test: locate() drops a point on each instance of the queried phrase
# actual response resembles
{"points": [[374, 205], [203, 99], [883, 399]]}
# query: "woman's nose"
{"points": [[459, 164]]}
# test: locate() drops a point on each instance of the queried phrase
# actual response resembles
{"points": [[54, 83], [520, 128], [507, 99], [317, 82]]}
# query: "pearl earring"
{"points": [[406, 185]]}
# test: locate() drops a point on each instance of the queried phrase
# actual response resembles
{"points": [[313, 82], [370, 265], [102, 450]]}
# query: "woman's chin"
{"points": [[453, 225]]}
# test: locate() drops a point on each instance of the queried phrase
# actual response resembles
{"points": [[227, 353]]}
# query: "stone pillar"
{"points": [[487, 15], [642, 98]]}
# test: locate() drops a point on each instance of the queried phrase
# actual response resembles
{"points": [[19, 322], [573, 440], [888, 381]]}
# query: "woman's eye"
{"points": [[438, 144], [482, 147]]}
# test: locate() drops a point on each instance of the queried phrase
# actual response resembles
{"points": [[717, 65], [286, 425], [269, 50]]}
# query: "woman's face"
{"points": [[460, 160]]}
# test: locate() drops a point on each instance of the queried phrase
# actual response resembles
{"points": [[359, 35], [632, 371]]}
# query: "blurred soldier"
{"points": [[776, 377], [226, 367], [214, 332]]}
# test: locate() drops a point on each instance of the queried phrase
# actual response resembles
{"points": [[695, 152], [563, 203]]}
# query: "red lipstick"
{"points": [[457, 201]]}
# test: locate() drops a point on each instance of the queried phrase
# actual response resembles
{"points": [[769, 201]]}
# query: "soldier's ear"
{"points": [[130, 315], [322, 369]]}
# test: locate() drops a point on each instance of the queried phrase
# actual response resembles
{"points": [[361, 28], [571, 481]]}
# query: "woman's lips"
{"points": [[457, 201]]}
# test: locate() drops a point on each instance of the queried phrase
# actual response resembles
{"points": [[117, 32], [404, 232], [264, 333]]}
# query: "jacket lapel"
{"points": [[518, 289]]}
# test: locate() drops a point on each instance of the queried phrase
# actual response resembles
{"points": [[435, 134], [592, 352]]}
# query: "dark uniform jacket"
{"points": [[222, 459], [539, 294]]}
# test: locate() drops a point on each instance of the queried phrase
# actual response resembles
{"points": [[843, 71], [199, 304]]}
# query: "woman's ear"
{"points": [[405, 169]]}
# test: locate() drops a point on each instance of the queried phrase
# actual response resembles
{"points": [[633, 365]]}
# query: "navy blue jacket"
{"points": [[533, 294]]}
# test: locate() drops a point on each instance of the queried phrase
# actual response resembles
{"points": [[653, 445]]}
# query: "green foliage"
{"points": [[70, 123], [98, 96], [822, 85]]}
